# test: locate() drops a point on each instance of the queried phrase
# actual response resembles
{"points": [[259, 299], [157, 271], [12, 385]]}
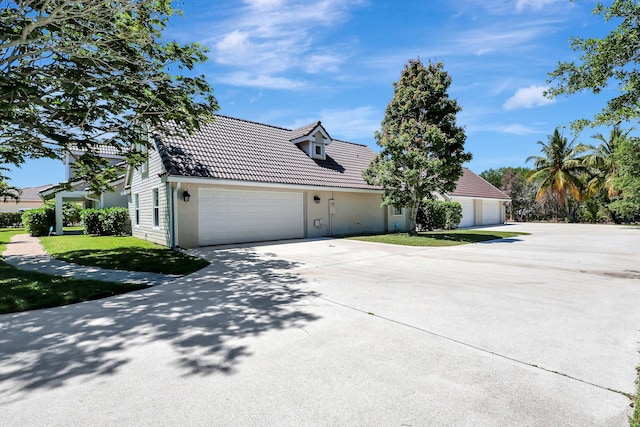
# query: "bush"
{"points": [[115, 221], [438, 215], [10, 219], [37, 222], [453, 215], [105, 222], [91, 221]]}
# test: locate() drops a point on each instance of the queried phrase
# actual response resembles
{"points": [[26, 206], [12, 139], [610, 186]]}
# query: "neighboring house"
{"points": [[79, 191], [29, 199], [238, 181]]}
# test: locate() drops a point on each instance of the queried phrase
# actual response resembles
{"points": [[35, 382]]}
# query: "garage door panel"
{"points": [[468, 216], [227, 216], [491, 212]]}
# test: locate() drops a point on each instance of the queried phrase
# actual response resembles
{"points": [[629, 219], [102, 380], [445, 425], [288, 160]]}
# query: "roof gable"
{"points": [[472, 185]]}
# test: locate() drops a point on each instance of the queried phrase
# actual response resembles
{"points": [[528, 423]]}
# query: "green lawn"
{"points": [[121, 253], [25, 290], [439, 238]]}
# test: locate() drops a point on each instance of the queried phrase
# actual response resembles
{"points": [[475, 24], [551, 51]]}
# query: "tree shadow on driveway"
{"points": [[202, 317]]}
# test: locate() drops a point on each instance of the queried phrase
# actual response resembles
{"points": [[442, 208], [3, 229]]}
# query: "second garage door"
{"points": [[235, 216], [491, 212]]}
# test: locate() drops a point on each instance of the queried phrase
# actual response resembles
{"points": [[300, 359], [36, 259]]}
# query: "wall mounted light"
{"points": [[316, 199], [186, 196]]}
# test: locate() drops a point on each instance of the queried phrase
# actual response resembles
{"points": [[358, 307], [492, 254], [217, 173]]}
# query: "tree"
{"points": [[81, 74], [601, 161], [422, 148], [559, 170], [612, 58], [627, 157]]}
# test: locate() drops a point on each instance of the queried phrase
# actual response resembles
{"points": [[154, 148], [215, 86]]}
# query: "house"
{"points": [[78, 190], [240, 181], [29, 199]]}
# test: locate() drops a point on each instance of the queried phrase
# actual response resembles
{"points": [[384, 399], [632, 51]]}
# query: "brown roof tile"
{"points": [[236, 149], [472, 185]]}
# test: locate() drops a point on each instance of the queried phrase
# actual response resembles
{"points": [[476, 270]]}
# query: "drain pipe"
{"points": [[85, 194]]}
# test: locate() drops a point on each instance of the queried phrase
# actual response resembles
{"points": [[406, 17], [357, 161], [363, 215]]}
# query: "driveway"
{"points": [[537, 330]]}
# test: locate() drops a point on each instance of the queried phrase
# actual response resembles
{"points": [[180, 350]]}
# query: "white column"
{"points": [[59, 214]]}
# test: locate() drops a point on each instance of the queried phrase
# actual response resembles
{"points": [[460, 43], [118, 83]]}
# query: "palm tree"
{"points": [[559, 170], [601, 163]]}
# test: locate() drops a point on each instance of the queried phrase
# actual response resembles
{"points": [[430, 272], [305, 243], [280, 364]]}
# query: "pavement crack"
{"points": [[483, 350]]}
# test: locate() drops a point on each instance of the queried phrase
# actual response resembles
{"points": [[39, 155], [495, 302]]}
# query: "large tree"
{"points": [[422, 147], [613, 58], [559, 170], [81, 74], [627, 157]]}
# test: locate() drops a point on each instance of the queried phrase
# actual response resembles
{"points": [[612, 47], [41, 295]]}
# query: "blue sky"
{"points": [[292, 62]]}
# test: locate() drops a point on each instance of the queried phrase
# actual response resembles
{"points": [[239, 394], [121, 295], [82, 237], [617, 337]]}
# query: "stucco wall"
{"points": [[12, 206], [355, 213]]}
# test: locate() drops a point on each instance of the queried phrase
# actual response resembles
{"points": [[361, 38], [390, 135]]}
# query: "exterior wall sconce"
{"points": [[186, 196], [316, 199]]}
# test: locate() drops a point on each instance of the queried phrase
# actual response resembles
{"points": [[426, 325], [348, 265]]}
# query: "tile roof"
{"points": [[235, 149], [303, 131], [33, 193], [472, 185]]}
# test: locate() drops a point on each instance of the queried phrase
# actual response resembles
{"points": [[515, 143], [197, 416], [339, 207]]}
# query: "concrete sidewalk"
{"points": [[26, 253]]}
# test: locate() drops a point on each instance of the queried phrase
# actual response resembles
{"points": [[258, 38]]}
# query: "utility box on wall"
{"points": [[332, 206]]}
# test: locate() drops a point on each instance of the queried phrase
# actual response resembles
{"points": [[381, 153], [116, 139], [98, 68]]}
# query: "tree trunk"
{"points": [[413, 215]]}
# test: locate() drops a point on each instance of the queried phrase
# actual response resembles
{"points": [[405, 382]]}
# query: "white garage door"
{"points": [[468, 219], [491, 212], [235, 216]]}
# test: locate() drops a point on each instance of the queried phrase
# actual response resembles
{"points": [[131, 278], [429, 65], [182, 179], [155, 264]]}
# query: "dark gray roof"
{"points": [[33, 193], [472, 185], [237, 149]]}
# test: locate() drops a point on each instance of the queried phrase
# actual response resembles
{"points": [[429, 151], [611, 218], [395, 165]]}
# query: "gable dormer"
{"points": [[313, 140]]}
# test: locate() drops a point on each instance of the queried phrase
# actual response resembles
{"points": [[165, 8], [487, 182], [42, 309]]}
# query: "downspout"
{"points": [[170, 205], [85, 194], [174, 216]]}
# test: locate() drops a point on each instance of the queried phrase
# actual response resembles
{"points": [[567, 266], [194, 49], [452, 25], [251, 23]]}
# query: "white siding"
{"points": [[143, 185]]}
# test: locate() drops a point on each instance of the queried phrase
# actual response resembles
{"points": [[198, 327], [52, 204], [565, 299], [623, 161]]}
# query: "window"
{"points": [[156, 208], [318, 150], [397, 211], [136, 207]]}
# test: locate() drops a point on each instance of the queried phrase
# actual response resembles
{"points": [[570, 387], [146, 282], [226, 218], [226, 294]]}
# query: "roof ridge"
{"points": [[349, 142], [253, 122]]}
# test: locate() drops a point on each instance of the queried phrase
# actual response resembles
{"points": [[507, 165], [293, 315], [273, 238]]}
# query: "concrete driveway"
{"points": [[536, 330]]}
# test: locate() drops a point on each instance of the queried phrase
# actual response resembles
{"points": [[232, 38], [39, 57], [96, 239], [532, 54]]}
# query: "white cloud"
{"points": [[267, 38], [533, 4], [528, 97], [518, 129], [262, 81]]}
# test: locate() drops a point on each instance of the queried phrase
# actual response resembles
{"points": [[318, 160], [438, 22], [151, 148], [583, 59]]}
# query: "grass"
{"points": [[27, 290], [439, 238], [121, 253], [634, 421]]}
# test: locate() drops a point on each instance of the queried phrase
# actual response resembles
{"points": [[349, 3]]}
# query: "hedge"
{"points": [[105, 222], [438, 215], [10, 219], [38, 222]]}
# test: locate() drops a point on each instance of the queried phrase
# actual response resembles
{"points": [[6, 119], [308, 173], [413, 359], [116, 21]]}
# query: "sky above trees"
{"points": [[289, 63]]}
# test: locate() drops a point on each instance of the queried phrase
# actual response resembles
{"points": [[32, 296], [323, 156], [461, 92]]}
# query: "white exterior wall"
{"points": [[355, 213], [143, 185], [114, 198], [468, 211]]}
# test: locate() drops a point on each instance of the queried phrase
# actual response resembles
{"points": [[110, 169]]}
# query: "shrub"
{"points": [[435, 215], [453, 215], [10, 219], [105, 222], [91, 221], [37, 222], [115, 221]]}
